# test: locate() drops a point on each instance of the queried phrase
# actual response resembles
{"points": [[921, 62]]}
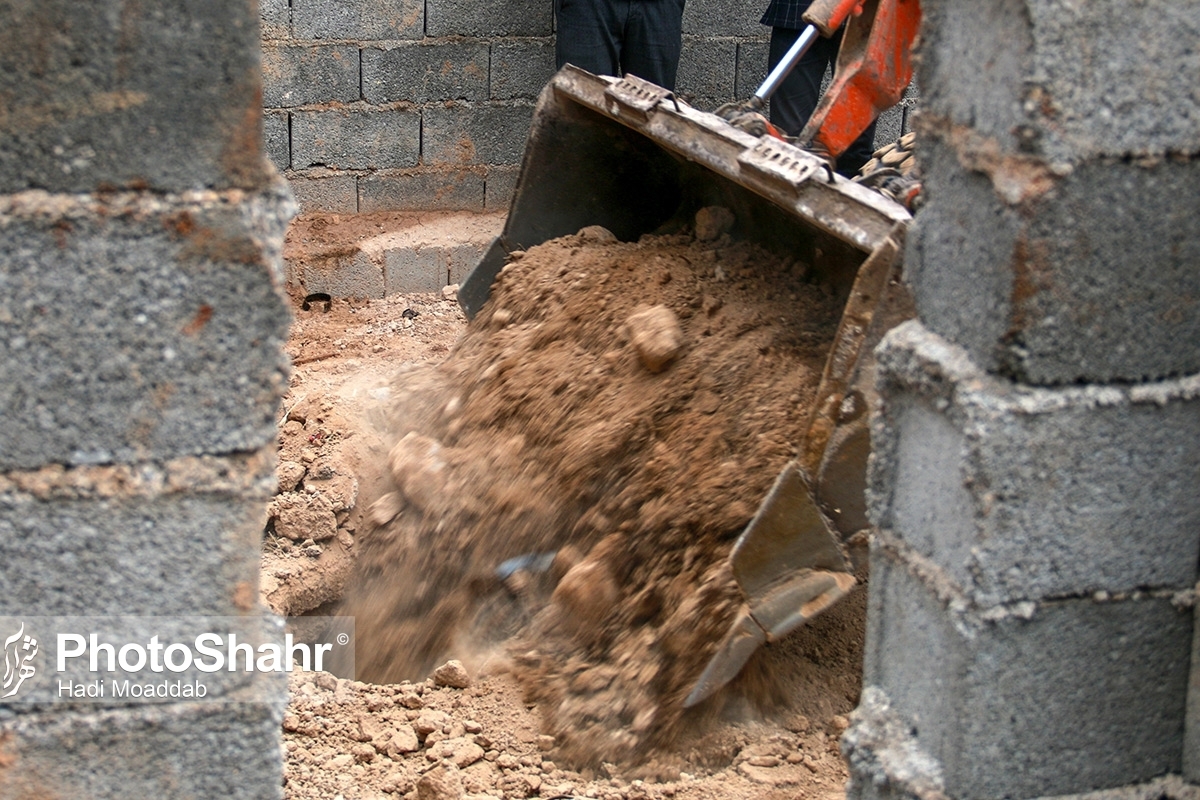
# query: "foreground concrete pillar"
{"points": [[141, 366], [1037, 450]]}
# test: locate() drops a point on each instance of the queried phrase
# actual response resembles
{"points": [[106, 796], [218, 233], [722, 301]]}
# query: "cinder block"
{"points": [[519, 69], [751, 68], [463, 135], [118, 556], [277, 139], [320, 190], [79, 88], [411, 270], [433, 190], [296, 75], [143, 327], [1191, 736], [1087, 276], [1020, 493], [1070, 696], [203, 749], [1064, 82], [340, 275], [276, 19], [707, 72], [422, 73], [501, 184], [724, 18], [358, 20], [344, 139], [488, 18]]}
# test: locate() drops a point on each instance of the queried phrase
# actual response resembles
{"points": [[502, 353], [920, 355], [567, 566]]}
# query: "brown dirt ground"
{"points": [[635, 447]]}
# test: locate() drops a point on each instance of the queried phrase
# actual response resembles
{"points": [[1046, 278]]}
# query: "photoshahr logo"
{"points": [[19, 652]]}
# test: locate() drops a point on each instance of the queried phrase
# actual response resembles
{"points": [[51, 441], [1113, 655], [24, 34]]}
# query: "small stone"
{"points": [[363, 753], [597, 234], [712, 221], [656, 336], [291, 722], [460, 752], [545, 743], [450, 292], [763, 761], [340, 762], [440, 784], [471, 726], [431, 721], [452, 674], [300, 516], [411, 700], [403, 740], [289, 473]]}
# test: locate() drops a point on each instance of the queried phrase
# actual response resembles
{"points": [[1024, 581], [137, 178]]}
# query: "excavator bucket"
{"points": [[626, 155]]}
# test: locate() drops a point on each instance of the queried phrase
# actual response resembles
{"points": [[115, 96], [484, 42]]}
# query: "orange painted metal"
{"points": [[874, 68]]}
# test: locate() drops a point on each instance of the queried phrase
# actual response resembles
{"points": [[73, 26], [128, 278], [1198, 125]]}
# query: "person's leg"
{"points": [[858, 153], [588, 36], [652, 41]]}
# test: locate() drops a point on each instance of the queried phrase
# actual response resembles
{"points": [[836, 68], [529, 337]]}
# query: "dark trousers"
{"points": [[796, 98], [615, 37]]}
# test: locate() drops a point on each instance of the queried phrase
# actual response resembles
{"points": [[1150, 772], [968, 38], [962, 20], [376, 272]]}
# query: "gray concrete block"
{"points": [[202, 749], [276, 19], [426, 72], [724, 18], [1070, 696], [1063, 81], [415, 271], [277, 139], [140, 327], [358, 19], [320, 190], [81, 87], [1059, 278], [488, 18], [884, 758], [351, 274], [1191, 735], [429, 256], [520, 68], [346, 139], [462, 134], [118, 556], [1020, 493], [297, 75], [433, 190], [501, 184], [751, 68], [707, 72]]}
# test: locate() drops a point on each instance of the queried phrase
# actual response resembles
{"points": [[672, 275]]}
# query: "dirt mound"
{"points": [[575, 473]]}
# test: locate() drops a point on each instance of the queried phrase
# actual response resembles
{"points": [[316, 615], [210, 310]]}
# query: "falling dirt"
{"points": [[548, 495]]}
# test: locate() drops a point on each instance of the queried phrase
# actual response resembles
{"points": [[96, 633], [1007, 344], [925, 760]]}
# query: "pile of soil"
{"points": [[565, 488], [428, 741]]}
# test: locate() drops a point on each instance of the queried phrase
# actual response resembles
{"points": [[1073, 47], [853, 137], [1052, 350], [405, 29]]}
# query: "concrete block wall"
{"points": [[142, 365], [387, 105], [1036, 448]]}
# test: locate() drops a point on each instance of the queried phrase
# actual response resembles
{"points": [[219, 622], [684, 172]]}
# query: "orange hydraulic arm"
{"points": [[873, 69]]}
